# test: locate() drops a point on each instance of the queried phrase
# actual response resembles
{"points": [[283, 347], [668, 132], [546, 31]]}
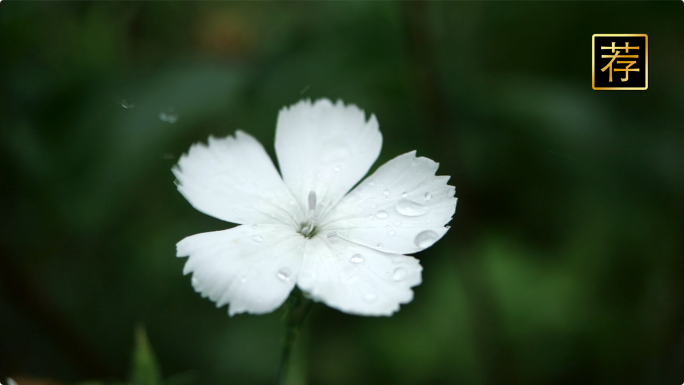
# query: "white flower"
{"points": [[304, 229]]}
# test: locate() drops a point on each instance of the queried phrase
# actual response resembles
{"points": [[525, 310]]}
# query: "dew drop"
{"points": [[332, 234], [399, 274], [392, 233], [125, 104], [379, 245], [404, 194], [427, 196], [356, 258], [386, 192], [284, 274], [415, 161], [257, 238], [426, 238], [254, 226], [411, 209], [370, 297], [371, 183], [381, 214], [170, 116]]}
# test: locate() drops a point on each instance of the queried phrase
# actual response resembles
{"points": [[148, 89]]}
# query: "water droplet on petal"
{"points": [[371, 183], [381, 214], [243, 279], [397, 223], [426, 238], [284, 274], [356, 258], [415, 161], [370, 297], [392, 233], [399, 274], [404, 194], [332, 234], [254, 226], [257, 238], [336, 169], [427, 196], [386, 192], [379, 245], [411, 209]]}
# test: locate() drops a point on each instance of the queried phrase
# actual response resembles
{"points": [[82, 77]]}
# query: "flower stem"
{"points": [[297, 307]]}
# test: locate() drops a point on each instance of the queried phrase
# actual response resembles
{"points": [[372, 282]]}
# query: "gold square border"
{"points": [[593, 72]]}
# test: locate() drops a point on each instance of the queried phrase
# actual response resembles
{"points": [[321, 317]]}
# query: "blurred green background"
{"points": [[564, 264]]}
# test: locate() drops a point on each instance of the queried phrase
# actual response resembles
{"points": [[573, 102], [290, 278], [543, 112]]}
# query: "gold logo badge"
{"points": [[619, 62]]}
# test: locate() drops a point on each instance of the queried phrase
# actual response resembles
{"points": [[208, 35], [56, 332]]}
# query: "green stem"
{"points": [[297, 307]]}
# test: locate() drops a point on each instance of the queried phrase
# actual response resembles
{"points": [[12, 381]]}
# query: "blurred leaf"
{"points": [[145, 369]]}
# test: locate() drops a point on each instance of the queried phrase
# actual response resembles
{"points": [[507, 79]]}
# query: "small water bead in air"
{"points": [[399, 274], [426, 238], [284, 274], [257, 238], [357, 258], [170, 116], [427, 196], [381, 214], [411, 209]]}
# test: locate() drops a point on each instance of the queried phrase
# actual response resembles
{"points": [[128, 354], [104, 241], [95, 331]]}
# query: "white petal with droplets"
{"points": [[252, 269], [233, 179], [402, 207], [326, 148], [356, 279]]}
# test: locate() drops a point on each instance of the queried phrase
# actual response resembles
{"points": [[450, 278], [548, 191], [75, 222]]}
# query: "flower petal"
{"points": [[326, 148], [355, 279], [251, 268], [233, 179], [401, 208]]}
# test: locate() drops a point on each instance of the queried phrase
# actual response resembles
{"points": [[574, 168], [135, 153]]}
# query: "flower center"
{"points": [[308, 228]]}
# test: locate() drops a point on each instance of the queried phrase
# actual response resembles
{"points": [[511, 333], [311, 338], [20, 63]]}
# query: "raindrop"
{"points": [[387, 226], [399, 274], [415, 161], [411, 209], [392, 233], [371, 183], [426, 238], [379, 245], [427, 196], [386, 192], [356, 258], [404, 194], [381, 214], [284, 274], [125, 104], [370, 297], [257, 238], [169, 115], [334, 151], [254, 226], [332, 234]]}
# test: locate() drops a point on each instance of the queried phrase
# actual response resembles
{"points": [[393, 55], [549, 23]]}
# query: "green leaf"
{"points": [[145, 369]]}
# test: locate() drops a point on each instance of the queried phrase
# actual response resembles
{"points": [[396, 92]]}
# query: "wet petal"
{"points": [[252, 268], [326, 148], [355, 279], [401, 208], [233, 179]]}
